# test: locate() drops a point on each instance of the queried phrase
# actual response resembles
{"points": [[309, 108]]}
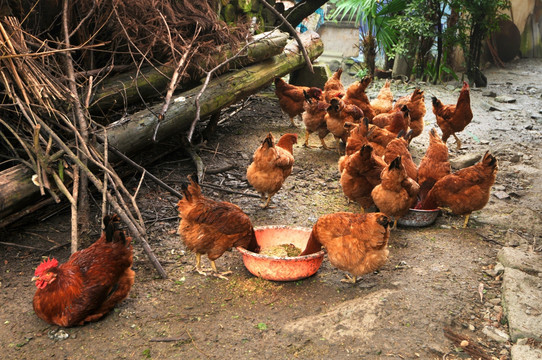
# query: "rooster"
{"points": [[89, 284]]}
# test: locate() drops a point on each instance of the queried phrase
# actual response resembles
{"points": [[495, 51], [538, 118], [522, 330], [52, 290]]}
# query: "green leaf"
{"points": [[262, 326]]}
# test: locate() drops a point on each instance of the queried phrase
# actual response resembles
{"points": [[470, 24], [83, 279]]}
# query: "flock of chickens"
{"points": [[377, 170]]}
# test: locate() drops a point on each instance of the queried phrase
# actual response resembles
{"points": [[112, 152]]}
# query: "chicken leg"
{"points": [[457, 141], [466, 220], [292, 121], [324, 145], [306, 143], [349, 279]]}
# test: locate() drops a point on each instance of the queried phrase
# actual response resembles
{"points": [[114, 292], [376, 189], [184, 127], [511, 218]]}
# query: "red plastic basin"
{"points": [[282, 268]]}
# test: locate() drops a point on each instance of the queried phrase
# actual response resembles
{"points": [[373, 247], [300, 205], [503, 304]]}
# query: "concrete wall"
{"points": [[340, 40]]}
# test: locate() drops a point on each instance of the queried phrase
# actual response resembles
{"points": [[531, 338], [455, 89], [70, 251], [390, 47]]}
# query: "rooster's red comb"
{"points": [[46, 265]]}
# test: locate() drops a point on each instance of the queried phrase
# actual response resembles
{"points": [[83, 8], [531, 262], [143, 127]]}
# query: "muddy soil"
{"points": [[437, 277]]}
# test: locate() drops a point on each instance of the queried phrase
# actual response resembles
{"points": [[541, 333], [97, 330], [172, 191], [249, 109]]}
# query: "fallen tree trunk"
{"points": [[17, 189], [125, 89], [130, 136]]}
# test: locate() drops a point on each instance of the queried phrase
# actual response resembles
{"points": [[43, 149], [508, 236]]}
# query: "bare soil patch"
{"points": [[433, 279]]}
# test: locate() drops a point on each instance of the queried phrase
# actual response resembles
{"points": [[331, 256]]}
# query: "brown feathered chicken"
{"points": [[379, 138], [314, 119], [357, 136], [271, 165], [416, 107], [434, 164], [453, 118], [466, 190], [338, 113], [360, 173], [291, 97], [89, 284], [355, 95], [397, 192], [334, 88], [383, 102], [211, 227], [356, 243], [395, 121], [399, 147]]}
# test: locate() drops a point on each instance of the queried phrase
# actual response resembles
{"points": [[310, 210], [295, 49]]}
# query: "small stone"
{"points": [[489, 107], [464, 161], [501, 195], [489, 93], [503, 352], [522, 341], [505, 99], [496, 334], [471, 327], [464, 343], [495, 301]]}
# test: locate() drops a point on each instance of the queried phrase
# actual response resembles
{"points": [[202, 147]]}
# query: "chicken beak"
{"points": [[35, 278]]}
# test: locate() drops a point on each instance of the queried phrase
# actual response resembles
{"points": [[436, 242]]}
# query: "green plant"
{"points": [[435, 71]]}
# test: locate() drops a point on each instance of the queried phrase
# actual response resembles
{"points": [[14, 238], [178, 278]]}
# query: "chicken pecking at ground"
{"points": [[271, 165], [453, 118], [291, 97], [89, 284], [211, 227], [356, 243], [466, 190]]}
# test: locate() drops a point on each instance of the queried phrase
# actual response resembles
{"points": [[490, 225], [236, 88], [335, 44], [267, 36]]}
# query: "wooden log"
{"points": [[124, 89], [130, 136], [17, 189]]}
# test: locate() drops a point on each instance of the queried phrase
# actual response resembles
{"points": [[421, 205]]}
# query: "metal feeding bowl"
{"points": [[418, 217], [289, 268]]}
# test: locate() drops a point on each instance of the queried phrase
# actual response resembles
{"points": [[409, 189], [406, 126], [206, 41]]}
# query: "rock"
{"points": [[58, 335], [520, 293], [505, 99], [525, 352], [463, 161], [501, 195], [351, 319], [518, 259], [488, 106], [496, 334], [304, 77], [489, 93]]}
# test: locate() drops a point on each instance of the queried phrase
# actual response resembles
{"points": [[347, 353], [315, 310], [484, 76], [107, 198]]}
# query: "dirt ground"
{"points": [[433, 279]]}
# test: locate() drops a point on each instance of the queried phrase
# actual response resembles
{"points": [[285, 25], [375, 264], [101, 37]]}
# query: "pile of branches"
{"points": [[53, 55]]}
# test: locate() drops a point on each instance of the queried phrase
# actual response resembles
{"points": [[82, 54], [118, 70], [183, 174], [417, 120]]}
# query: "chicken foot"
{"points": [[263, 206], [220, 275], [292, 121], [214, 271], [349, 279]]}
